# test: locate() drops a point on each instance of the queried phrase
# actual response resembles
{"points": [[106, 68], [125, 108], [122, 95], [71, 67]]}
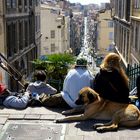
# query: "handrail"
{"points": [[4, 66]]}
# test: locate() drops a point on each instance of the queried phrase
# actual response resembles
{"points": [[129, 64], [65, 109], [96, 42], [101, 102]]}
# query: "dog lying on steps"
{"points": [[95, 107]]}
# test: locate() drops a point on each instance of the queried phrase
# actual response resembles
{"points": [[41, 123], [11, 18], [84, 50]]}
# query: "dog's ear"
{"points": [[91, 97]]}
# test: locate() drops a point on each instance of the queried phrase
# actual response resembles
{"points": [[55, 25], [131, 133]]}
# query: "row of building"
{"points": [[116, 27], [100, 32], [19, 35], [31, 28]]}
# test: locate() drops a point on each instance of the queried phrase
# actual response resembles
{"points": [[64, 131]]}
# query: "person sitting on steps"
{"points": [[40, 85], [13, 99]]}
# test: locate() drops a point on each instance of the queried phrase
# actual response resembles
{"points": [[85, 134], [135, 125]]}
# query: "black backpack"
{"points": [[3, 97]]}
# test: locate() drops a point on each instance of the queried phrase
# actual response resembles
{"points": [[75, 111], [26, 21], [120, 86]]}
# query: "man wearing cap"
{"points": [[75, 80]]}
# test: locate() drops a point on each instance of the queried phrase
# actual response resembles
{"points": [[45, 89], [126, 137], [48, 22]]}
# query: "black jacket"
{"points": [[111, 86]]}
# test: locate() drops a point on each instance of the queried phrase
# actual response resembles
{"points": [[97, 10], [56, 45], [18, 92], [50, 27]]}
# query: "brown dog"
{"points": [[98, 108]]}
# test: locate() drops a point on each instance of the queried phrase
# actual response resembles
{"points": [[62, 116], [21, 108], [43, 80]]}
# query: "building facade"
{"points": [[54, 29], [19, 36], [135, 33], [105, 33], [76, 32], [123, 30], [126, 15]]}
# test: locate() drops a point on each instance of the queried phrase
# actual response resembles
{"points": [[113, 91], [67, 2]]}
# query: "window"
{"points": [[52, 33], [21, 35], [39, 22], [8, 33], [30, 3], [111, 35], [53, 47], [14, 3], [36, 23], [26, 33], [25, 5], [31, 32], [14, 37], [127, 47], [137, 4], [11, 3], [20, 5], [127, 12], [19, 2], [110, 47], [119, 8], [11, 37], [8, 3], [37, 2], [110, 24], [136, 36], [25, 2]]}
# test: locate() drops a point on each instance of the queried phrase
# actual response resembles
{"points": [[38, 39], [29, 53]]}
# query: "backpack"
{"points": [[34, 103], [3, 97]]}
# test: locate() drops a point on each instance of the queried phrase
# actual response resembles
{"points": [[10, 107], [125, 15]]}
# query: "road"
{"points": [[85, 51]]}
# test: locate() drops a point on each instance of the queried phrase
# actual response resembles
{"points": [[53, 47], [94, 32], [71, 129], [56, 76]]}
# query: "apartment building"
{"points": [[54, 29], [105, 33], [135, 33], [126, 14], [76, 32], [19, 36], [122, 29]]}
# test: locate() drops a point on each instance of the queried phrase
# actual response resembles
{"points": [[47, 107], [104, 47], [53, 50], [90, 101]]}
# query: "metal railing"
{"points": [[133, 72]]}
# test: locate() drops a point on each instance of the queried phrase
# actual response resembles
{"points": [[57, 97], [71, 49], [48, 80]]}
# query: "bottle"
{"points": [[35, 96]]}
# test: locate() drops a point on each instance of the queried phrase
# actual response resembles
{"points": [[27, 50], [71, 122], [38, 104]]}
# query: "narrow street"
{"points": [[85, 51]]}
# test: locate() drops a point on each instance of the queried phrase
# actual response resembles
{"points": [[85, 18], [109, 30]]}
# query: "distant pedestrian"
{"points": [[111, 82], [75, 80]]}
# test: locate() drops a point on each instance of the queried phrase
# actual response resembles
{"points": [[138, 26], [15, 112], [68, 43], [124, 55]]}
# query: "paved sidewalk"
{"points": [[69, 131]]}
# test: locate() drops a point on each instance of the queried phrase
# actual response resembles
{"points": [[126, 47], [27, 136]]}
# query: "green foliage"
{"points": [[55, 65]]}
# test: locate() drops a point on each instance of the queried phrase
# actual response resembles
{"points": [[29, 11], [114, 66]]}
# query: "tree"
{"points": [[56, 67]]}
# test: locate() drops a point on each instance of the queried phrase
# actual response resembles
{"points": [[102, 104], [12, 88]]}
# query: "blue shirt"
{"points": [[75, 80]]}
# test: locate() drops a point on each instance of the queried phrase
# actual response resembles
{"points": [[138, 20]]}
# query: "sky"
{"points": [[84, 2]]}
